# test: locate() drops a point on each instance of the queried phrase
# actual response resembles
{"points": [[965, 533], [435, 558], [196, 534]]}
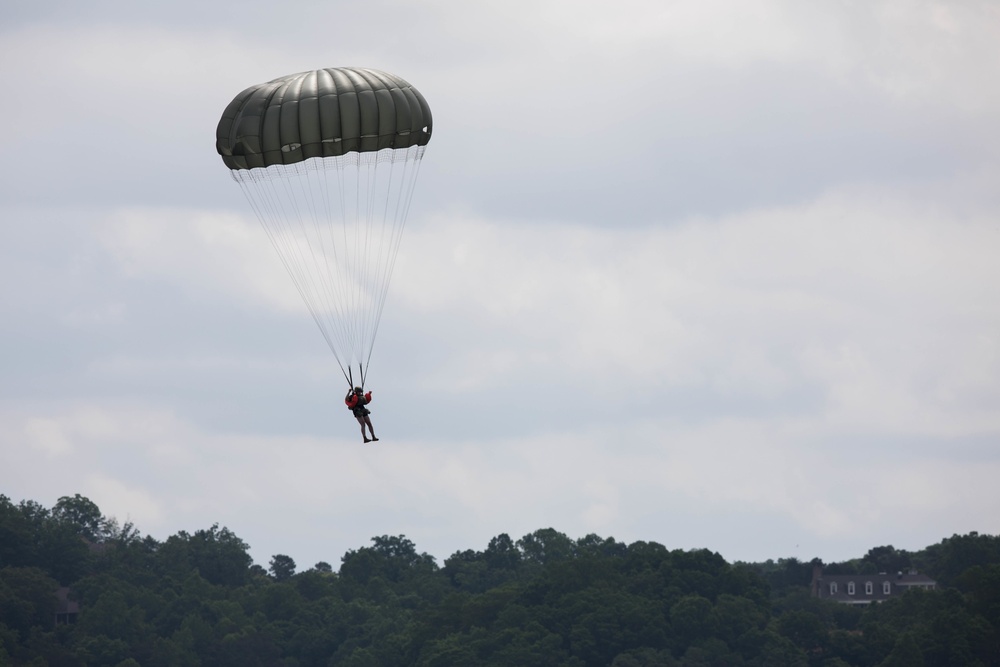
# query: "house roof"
{"points": [[914, 579]]}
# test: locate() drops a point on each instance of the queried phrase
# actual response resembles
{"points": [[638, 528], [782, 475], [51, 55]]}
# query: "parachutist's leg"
{"points": [[361, 420], [370, 427]]}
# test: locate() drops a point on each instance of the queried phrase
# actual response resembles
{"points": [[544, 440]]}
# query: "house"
{"points": [[66, 610], [866, 588]]}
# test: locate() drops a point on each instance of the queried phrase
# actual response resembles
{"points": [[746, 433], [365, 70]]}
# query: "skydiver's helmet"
{"points": [[358, 390]]}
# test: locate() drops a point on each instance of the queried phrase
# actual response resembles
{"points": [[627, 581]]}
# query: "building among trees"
{"points": [[66, 610], [867, 588]]}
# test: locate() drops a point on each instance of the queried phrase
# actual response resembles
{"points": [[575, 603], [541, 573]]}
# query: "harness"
{"points": [[358, 409]]}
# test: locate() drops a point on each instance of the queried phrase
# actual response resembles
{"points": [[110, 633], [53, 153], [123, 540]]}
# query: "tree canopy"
{"points": [[543, 599]]}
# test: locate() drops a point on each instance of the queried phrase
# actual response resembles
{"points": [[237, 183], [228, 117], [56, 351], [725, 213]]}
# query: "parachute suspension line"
{"points": [[336, 285], [363, 229], [257, 186], [349, 193], [283, 240], [373, 254], [337, 224], [327, 283], [385, 252], [313, 281], [332, 285], [378, 278], [291, 215], [376, 237], [339, 271], [366, 190], [408, 187]]}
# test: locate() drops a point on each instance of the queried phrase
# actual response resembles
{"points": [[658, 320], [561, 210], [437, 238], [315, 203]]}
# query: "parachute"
{"points": [[328, 160]]}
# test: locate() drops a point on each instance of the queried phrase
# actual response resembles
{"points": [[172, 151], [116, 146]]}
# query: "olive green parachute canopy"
{"points": [[322, 113], [328, 160]]}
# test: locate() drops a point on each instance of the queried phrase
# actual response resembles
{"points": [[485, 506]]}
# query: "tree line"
{"points": [[544, 599]]}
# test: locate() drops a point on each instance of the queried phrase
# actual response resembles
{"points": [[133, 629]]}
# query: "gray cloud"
{"points": [[672, 272]]}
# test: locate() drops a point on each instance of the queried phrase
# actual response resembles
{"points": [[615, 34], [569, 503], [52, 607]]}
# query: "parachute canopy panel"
{"points": [[323, 113]]}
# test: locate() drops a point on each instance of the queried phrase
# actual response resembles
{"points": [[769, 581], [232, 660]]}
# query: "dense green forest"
{"points": [[544, 599]]}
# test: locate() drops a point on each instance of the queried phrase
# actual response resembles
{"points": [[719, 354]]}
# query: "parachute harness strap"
{"points": [[337, 225]]}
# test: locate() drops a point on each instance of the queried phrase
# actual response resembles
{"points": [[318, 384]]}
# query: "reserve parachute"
{"points": [[328, 160]]}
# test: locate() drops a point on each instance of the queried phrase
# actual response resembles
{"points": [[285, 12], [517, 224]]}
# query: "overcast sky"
{"points": [[710, 273]]}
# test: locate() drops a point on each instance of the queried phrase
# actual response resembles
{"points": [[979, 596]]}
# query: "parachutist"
{"points": [[356, 401]]}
